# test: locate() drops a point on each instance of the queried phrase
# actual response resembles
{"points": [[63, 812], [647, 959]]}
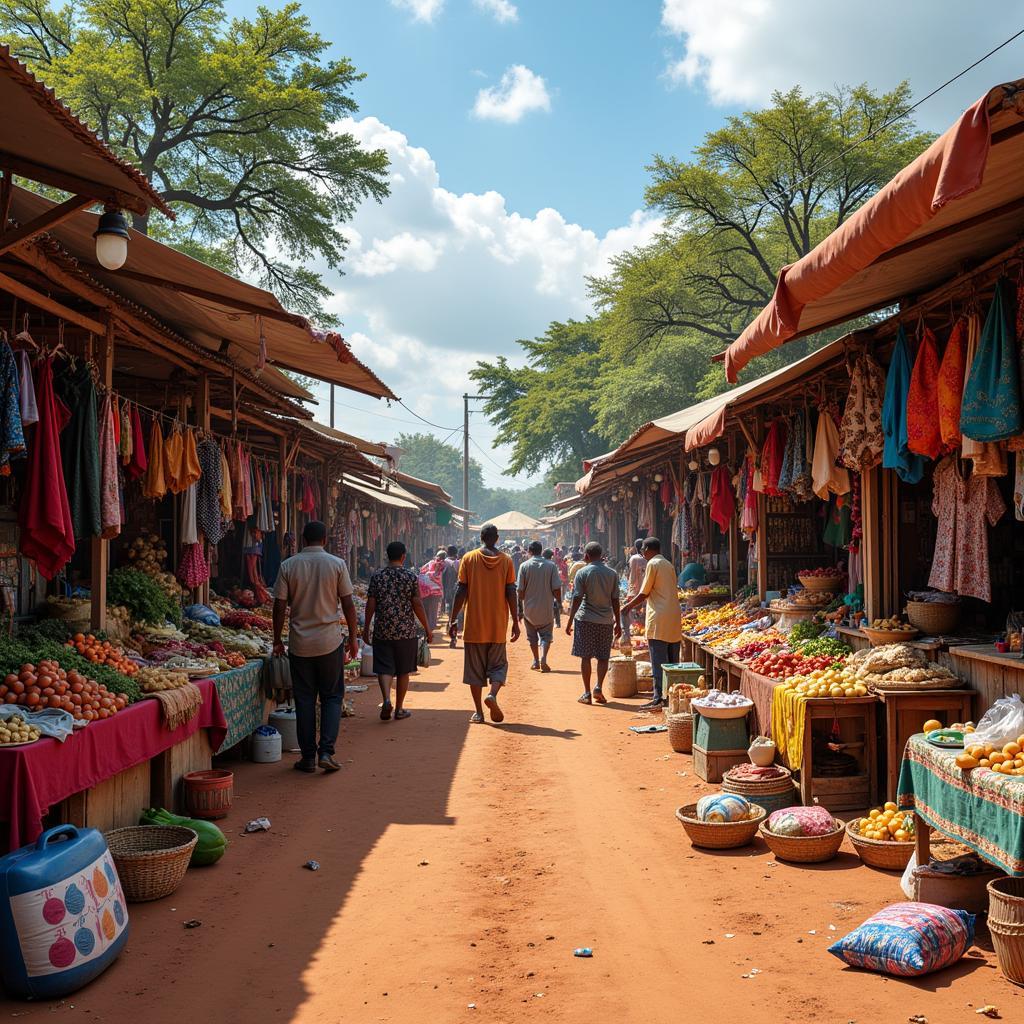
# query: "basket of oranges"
{"points": [[885, 838]]}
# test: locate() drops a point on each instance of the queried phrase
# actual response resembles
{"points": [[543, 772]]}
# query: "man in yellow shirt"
{"points": [[487, 590], [664, 625]]}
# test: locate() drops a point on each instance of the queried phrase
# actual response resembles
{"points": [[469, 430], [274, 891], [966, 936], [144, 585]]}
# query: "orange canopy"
{"points": [[952, 203]]}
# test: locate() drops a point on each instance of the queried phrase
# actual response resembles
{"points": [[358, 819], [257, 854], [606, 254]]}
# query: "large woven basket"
{"points": [[805, 849], [821, 582], [772, 795], [724, 835], [933, 618], [1006, 925], [881, 637], [620, 681], [151, 860], [938, 683], [680, 732], [886, 854]]}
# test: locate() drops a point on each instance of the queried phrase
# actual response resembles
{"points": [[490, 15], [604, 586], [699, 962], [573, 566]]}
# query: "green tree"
{"points": [[231, 119], [430, 459]]}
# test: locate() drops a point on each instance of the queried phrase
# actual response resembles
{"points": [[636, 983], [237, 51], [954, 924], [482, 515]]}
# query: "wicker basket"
{"points": [[938, 683], [933, 618], [620, 680], [881, 637], [1006, 925], [886, 854], [820, 582], [680, 732], [724, 835], [151, 860], [805, 849], [772, 795]]}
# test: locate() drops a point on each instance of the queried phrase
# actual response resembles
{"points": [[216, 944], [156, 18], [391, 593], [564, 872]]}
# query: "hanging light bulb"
{"points": [[366, 513], [112, 239], [693, 465], [714, 456], [658, 478], [636, 479]]}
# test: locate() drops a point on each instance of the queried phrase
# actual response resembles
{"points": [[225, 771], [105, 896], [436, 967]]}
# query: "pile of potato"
{"points": [[17, 730], [893, 624], [153, 680], [148, 554]]}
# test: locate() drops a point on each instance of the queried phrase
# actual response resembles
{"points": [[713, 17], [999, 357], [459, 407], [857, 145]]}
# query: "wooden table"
{"points": [[906, 711], [830, 791]]}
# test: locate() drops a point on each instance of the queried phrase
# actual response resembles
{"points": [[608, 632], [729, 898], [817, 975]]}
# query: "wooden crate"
{"points": [[114, 803], [847, 793], [711, 765], [167, 769]]}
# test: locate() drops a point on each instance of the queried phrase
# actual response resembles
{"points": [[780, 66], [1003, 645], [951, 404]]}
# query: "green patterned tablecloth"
{"points": [[241, 696], [981, 808]]}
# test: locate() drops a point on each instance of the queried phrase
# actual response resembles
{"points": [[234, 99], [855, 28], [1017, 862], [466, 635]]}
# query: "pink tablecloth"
{"points": [[34, 778], [759, 689]]}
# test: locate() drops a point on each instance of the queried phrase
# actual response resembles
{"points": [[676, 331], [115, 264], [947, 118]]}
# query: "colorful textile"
{"points": [[80, 449], [801, 821], [240, 692], [951, 385], [991, 408], [860, 432], [895, 454], [393, 590], [772, 455], [907, 940], [723, 499], [12, 434], [795, 475], [110, 492], [189, 524], [193, 570], [47, 534], [26, 390], [827, 476], [923, 434], [988, 459], [788, 721], [979, 808], [155, 483], [721, 807], [592, 640], [225, 492], [208, 491], [139, 462], [748, 522]]}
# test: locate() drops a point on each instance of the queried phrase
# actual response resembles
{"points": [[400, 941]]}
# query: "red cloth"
{"points": [[35, 778], [771, 457], [950, 386], [44, 516], [951, 167], [923, 436], [138, 465], [723, 499]]}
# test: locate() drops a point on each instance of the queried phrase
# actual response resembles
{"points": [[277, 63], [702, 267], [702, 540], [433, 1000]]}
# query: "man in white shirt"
{"points": [[316, 587]]}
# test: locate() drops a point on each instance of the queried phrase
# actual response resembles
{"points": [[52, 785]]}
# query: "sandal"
{"points": [[585, 699], [385, 711], [477, 718], [402, 713], [599, 696], [545, 667], [497, 715]]}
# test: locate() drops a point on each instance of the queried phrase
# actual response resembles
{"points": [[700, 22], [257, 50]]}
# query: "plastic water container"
{"points": [[366, 665], [63, 915], [283, 720], [266, 745]]}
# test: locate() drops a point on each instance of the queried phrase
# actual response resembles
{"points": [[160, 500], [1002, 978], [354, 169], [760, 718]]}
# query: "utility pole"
{"points": [[466, 399], [332, 407]]}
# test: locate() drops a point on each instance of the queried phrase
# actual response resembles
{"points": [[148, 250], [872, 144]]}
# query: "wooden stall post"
{"points": [[734, 532], [203, 423], [282, 490], [101, 546], [871, 543], [762, 520]]}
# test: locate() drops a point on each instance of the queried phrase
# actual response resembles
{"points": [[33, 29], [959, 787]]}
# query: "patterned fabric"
{"points": [[987, 457], [908, 939], [80, 450], [110, 495], [241, 699], [592, 640], [896, 455], [193, 570], [12, 434], [721, 807], [393, 588], [951, 385], [208, 507], [923, 434], [795, 475], [860, 431], [991, 409], [801, 821], [979, 808]]}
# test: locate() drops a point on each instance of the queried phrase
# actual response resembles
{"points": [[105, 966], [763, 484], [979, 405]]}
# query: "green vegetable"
{"points": [[806, 630], [824, 645], [144, 598], [211, 845]]}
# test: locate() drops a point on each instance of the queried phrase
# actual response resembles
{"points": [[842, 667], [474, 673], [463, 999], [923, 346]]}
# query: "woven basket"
{"points": [[933, 618], [1006, 925], [772, 795], [151, 860], [821, 582], [724, 835], [938, 683], [880, 853], [805, 849], [881, 637], [620, 680], [680, 732]]}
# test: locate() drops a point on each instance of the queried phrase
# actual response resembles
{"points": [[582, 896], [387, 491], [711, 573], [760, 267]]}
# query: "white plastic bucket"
{"points": [[283, 720], [366, 665], [266, 749]]}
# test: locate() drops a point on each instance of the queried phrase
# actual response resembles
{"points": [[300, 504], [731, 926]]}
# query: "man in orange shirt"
{"points": [[487, 590]]}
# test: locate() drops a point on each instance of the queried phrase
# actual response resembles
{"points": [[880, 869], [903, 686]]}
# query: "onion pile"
{"points": [[49, 686]]}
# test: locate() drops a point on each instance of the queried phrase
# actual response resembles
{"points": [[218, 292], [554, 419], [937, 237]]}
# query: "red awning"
{"points": [[955, 202]]}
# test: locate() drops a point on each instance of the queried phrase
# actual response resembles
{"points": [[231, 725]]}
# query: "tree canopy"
{"points": [[233, 120]]}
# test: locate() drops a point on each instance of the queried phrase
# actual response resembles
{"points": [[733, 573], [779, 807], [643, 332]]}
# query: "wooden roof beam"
{"points": [[38, 225]]}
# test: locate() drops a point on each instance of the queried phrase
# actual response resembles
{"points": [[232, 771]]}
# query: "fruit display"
{"points": [[153, 680], [48, 685], [246, 620], [102, 652], [893, 624], [211, 844], [830, 682], [16, 731], [933, 723], [826, 573], [785, 664], [1008, 760], [887, 824], [245, 643]]}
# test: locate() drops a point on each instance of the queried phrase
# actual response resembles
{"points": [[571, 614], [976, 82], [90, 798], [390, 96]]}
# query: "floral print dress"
{"points": [[860, 431]]}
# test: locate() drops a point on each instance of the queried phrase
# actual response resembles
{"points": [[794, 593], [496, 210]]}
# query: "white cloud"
{"points": [[438, 280], [739, 51], [421, 10], [520, 91], [503, 11]]}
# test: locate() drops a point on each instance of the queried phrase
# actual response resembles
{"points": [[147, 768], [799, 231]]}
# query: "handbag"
{"points": [[277, 677], [423, 653]]}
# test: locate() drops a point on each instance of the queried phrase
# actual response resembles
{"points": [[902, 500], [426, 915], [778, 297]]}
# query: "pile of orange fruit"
{"points": [[888, 824], [1008, 761], [103, 652]]}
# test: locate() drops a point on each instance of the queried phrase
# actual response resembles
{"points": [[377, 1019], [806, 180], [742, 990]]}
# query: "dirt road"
{"points": [[460, 866]]}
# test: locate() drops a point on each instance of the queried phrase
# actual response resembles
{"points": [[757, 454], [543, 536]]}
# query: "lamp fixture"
{"points": [[658, 478], [636, 479], [366, 513], [693, 465], [112, 239], [714, 456]]}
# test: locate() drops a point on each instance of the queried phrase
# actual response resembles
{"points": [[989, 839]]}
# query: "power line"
{"points": [[385, 416], [487, 456], [428, 423]]}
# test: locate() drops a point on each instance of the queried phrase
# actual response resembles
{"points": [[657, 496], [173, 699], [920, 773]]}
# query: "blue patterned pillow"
{"points": [[908, 939]]}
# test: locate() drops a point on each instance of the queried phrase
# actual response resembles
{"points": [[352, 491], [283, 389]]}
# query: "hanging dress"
{"points": [[110, 494], [723, 499], [80, 449], [225, 493], [860, 432], [155, 484], [208, 509], [795, 475], [987, 458], [174, 460], [189, 520], [139, 463], [923, 434], [909, 467], [26, 390], [827, 476], [748, 523], [12, 434], [191, 471], [46, 533], [950, 386], [772, 455]]}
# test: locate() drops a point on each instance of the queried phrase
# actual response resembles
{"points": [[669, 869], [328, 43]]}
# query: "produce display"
{"points": [[747, 772], [888, 824], [49, 685], [721, 699], [143, 596], [102, 652], [827, 573], [153, 680], [211, 845], [829, 682], [1008, 760], [245, 643], [822, 645], [893, 624], [149, 555], [16, 731], [894, 665], [806, 630], [246, 620], [786, 664]]}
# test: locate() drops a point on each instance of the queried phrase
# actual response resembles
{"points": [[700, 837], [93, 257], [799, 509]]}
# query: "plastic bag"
{"points": [[202, 613], [277, 676], [1001, 724], [423, 653]]}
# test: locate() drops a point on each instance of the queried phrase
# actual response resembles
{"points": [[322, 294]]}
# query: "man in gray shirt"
{"points": [[538, 587], [595, 615]]}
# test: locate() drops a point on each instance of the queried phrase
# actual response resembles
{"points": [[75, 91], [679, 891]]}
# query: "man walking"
{"points": [[664, 617], [635, 570], [450, 577], [556, 605], [538, 587], [393, 604], [487, 589], [316, 587], [595, 615]]}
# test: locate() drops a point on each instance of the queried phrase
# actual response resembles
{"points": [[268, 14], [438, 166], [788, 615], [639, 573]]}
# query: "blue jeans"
{"points": [[322, 678], [662, 653]]}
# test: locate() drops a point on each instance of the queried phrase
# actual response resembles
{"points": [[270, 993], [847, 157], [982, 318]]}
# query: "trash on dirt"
{"points": [[648, 728], [356, 687], [193, 923], [258, 825], [988, 1011], [918, 1018], [470, 1006], [708, 942], [423, 864], [583, 951], [730, 935], [312, 865]]}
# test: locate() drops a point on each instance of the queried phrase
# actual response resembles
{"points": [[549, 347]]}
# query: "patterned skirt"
{"points": [[592, 640]]}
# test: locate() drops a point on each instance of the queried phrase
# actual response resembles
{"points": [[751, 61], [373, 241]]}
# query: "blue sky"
{"points": [[518, 133]]}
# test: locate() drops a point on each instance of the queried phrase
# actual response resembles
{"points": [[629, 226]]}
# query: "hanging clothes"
{"points": [[987, 458], [795, 475], [225, 492], [139, 463], [208, 491], [827, 477], [27, 405], [46, 533], [924, 436], [110, 493], [190, 468], [991, 409], [1018, 487], [950, 386], [748, 522], [837, 522], [155, 483], [189, 526], [12, 434], [964, 509], [860, 432], [772, 455], [124, 447], [80, 450], [723, 499], [909, 467], [193, 570]]}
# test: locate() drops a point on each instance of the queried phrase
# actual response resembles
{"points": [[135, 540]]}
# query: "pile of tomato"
{"points": [[47, 685], [751, 650], [784, 664], [103, 652]]}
